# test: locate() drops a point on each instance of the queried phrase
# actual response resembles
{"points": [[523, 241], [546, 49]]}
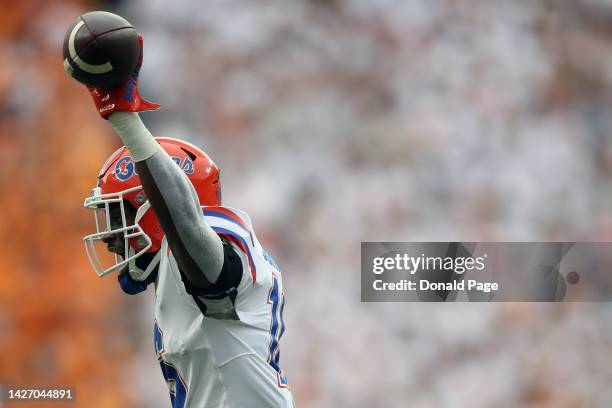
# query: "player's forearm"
{"points": [[197, 248]]}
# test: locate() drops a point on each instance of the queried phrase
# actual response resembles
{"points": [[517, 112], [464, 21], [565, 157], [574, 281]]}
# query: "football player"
{"points": [[219, 294]]}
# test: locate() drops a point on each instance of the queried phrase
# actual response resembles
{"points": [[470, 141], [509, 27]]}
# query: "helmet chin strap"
{"points": [[137, 273], [141, 211]]}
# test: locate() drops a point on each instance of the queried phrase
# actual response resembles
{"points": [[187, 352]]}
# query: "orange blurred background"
{"points": [[55, 312]]}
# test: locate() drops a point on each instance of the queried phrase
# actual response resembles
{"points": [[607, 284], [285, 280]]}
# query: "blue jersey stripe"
{"points": [[216, 214], [246, 248]]}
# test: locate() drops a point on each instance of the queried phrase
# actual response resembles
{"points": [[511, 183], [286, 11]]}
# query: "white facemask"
{"points": [[100, 203]]}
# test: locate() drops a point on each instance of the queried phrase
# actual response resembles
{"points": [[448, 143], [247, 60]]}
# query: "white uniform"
{"points": [[216, 362]]}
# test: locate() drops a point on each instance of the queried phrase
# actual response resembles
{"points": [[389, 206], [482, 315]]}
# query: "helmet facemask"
{"points": [[135, 241]]}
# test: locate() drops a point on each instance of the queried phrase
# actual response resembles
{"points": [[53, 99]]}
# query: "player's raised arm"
{"points": [[197, 248]]}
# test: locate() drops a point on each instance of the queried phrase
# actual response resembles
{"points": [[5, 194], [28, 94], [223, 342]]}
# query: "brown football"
{"points": [[101, 49]]}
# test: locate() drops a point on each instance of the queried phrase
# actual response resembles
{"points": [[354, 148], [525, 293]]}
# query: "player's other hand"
{"points": [[124, 98]]}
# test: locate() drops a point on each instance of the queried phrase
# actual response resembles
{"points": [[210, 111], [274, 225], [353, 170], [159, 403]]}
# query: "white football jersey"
{"points": [[209, 358]]}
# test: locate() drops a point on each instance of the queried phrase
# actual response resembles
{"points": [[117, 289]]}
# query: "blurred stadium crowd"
{"points": [[333, 122]]}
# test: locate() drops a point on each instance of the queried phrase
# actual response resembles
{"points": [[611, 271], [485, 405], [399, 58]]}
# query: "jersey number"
{"points": [[176, 385], [276, 298]]}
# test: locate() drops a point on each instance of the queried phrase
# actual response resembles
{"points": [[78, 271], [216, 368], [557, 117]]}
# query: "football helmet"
{"points": [[119, 184]]}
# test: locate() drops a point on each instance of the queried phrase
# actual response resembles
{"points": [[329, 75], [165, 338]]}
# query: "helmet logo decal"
{"points": [[125, 168], [186, 165]]}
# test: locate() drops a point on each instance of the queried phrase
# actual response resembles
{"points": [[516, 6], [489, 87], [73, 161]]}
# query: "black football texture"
{"points": [[101, 49]]}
